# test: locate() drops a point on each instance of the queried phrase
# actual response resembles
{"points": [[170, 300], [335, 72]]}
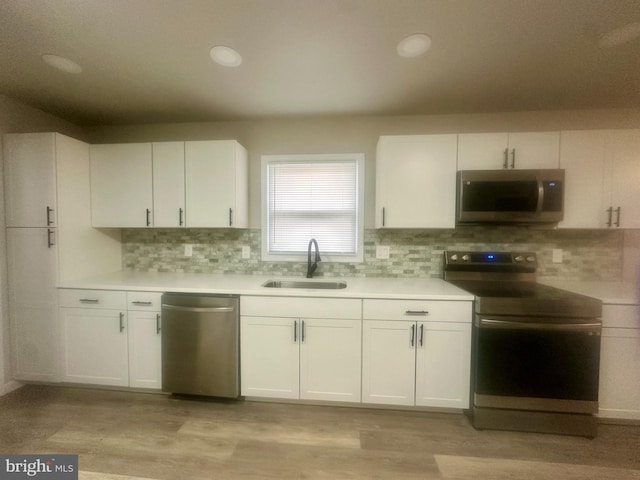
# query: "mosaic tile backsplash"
{"points": [[587, 254]]}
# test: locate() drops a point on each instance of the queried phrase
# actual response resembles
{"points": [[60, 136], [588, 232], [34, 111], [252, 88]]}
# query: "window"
{"points": [[312, 196]]}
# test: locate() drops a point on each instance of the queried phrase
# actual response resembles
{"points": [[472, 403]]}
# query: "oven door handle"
{"points": [[540, 202], [595, 327]]}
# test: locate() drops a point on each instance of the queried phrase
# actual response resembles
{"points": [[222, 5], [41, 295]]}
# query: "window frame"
{"points": [[358, 257]]}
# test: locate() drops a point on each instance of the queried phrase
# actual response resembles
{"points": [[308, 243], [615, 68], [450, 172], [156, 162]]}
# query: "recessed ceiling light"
{"points": [[621, 35], [414, 45], [61, 63], [225, 56]]}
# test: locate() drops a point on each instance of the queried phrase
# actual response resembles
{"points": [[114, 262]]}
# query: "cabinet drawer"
{"points": [[301, 307], [432, 310], [93, 299], [144, 301]]}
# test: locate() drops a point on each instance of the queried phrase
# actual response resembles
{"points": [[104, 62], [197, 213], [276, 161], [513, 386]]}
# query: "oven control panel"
{"points": [[528, 259]]}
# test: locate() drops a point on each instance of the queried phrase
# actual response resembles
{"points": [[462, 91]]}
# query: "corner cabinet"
{"points": [[301, 348], [495, 151], [415, 181], [202, 184], [416, 353], [602, 178]]}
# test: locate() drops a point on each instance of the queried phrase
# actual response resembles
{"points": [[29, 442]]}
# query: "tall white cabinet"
{"points": [[49, 239]]}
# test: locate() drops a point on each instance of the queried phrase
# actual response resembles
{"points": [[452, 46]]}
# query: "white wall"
{"points": [[16, 117]]}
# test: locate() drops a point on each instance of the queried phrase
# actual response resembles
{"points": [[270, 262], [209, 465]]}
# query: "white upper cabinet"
{"points": [[121, 185], [168, 184], [415, 181], [30, 179], [200, 184], [601, 178], [216, 176], [494, 151]]}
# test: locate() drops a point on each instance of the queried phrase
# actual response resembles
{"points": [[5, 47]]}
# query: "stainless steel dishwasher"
{"points": [[200, 344]]}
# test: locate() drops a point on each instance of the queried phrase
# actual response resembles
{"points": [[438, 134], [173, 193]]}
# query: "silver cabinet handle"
{"points": [[413, 335], [417, 313], [49, 212], [89, 300], [383, 216], [50, 241], [180, 213], [158, 324], [422, 334], [141, 303], [302, 331], [513, 158], [295, 331], [617, 224], [148, 217], [505, 164], [121, 321], [609, 216], [230, 217]]}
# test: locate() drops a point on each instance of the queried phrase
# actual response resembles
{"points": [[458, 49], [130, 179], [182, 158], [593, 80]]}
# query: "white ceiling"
{"points": [[147, 61]]}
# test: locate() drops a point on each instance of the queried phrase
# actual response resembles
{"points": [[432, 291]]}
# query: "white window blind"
{"points": [[312, 199]]}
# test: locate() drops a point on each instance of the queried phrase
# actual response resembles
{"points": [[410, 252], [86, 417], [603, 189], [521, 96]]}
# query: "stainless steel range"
{"points": [[536, 349]]}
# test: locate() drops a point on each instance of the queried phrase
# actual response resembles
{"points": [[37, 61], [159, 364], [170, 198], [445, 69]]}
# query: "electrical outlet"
{"points": [[246, 251], [382, 252], [556, 255], [188, 250]]}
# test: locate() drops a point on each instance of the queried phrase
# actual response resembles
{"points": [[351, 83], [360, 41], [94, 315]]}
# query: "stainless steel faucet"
{"points": [[311, 267]]}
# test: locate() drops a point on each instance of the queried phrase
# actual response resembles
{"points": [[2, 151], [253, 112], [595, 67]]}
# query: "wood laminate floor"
{"points": [[131, 436]]}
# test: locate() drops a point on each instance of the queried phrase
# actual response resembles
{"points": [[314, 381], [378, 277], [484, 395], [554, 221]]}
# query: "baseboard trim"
{"points": [[9, 387]]}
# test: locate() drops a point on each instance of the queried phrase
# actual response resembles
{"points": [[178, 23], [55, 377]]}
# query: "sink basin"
{"points": [[304, 284]]}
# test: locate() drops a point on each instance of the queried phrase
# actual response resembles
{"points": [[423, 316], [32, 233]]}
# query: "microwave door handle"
{"points": [[540, 196]]}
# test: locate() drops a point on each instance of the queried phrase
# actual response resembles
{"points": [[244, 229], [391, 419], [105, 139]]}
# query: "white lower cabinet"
{"points": [[285, 353], [416, 362], [619, 395], [95, 346], [110, 338], [145, 346]]}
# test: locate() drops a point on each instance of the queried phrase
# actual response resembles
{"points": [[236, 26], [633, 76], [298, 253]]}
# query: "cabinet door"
{"points": [[210, 183], [30, 179], [33, 309], [619, 393], [168, 184], [443, 364], [415, 181], [121, 185], [95, 346], [624, 155], [145, 366], [388, 362], [483, 151], [582, 156], [330, 359], [534, 150], [269, 353]]}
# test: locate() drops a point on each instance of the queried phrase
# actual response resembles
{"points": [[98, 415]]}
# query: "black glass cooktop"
{"points": [[528, 298]]}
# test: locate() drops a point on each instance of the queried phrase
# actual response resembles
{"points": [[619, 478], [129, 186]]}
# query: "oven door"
{"points": [[537, 363]]}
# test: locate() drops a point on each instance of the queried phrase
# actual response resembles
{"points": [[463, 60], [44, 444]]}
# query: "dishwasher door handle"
{"points": [[198, 309]]}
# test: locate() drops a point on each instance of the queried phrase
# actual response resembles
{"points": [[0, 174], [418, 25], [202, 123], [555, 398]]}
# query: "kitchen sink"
{"points": [[304, 284]]}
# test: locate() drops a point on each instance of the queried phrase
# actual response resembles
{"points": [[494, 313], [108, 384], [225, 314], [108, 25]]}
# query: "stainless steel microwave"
{"points": [[509, 196]]}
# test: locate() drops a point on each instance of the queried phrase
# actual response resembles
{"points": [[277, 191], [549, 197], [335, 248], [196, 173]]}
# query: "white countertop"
{"points": [[392, 288], [608, 292]]}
